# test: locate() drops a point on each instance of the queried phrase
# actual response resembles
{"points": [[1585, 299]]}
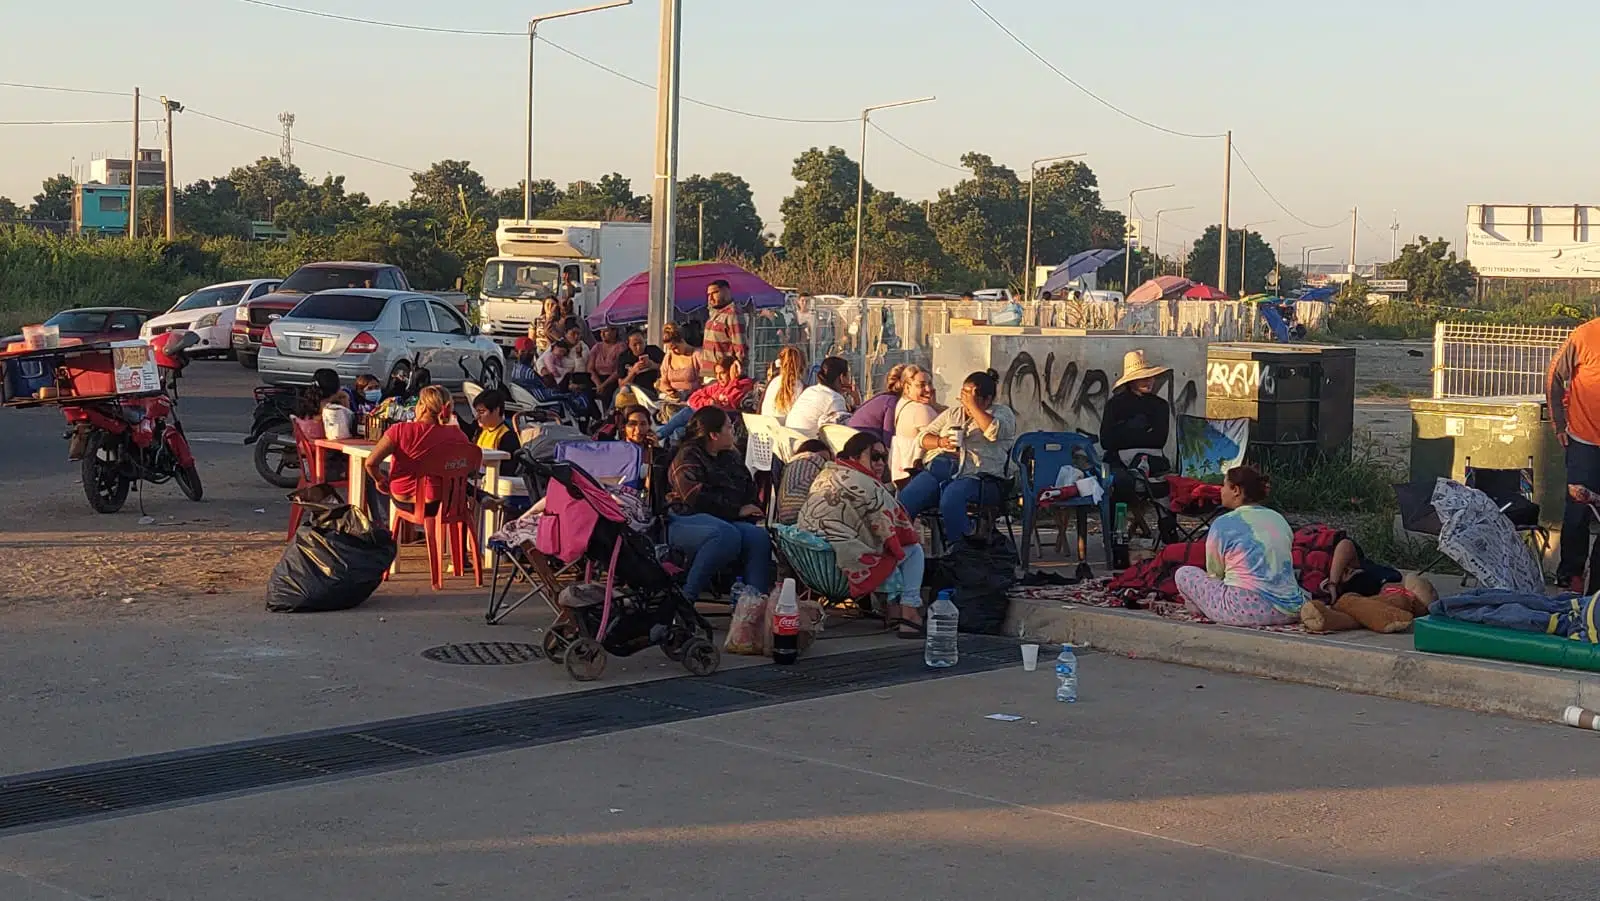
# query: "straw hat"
{"points": [[1136, 367]]}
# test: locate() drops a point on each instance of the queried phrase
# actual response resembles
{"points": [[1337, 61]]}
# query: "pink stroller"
{"points": [[641, 606]]}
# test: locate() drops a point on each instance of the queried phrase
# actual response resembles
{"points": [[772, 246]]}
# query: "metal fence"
{"points": [[875, 335], [1493, 360]]}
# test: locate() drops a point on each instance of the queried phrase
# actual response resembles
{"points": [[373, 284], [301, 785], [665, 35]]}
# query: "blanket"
{"points": [[863, 521], [1568, 614], [1478, 537]]}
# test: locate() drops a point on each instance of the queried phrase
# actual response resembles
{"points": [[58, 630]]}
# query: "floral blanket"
{"points": [[863, 521]]}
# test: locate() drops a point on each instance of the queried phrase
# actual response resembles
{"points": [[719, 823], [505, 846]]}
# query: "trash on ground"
{"points": [[1003, 717]]}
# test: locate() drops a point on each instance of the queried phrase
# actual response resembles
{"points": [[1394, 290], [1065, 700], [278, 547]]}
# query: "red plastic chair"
{"points": [[444, 484], [307, 432]]}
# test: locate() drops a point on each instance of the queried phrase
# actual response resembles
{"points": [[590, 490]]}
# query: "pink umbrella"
{"points": [[631, 300], [1159, 288], [1204, 292]]}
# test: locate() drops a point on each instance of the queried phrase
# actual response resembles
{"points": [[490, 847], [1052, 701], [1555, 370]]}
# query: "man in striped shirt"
{"points": [[724, 333]]}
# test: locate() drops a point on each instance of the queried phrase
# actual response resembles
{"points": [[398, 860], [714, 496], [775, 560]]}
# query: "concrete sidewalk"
{"points": [[1363, 662]]}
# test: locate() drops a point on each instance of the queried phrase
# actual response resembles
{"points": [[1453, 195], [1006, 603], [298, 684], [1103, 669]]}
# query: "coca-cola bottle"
{"points": [[786, 626]]}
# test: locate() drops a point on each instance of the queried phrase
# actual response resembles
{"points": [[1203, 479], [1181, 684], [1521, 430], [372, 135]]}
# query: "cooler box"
{"points": [[24, 378], [129, 367]]}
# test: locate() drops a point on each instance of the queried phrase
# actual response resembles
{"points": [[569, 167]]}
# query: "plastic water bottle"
{"points": [[939, 650], [1067, 676]]}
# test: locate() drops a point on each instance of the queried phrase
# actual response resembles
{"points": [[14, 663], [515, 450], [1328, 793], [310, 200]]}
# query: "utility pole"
{"points": [[286, 149], [1027, 246], [170, 107], [861, 183], [1161, 264], [702, 254], [533, 40], [133, 174], [1127, 239], [664, 199], [1394, 237], [1227, 193], [1355, 216]]}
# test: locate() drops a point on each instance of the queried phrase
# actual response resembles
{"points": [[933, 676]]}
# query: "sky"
{"points": [[1406, 109]]}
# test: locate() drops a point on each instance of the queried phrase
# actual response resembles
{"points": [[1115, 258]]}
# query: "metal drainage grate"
{"points": [[42, 800], [485, 653]]}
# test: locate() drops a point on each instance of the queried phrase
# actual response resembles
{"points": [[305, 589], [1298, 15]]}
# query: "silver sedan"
{"points": [[365, 331]]}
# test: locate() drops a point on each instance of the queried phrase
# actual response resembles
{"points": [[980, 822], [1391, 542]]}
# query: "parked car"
{"points": [[209, 313], [91, 324], [253, 316], [893, 290], [356, 331]]}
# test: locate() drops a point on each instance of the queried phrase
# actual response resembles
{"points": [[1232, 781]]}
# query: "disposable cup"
{"points": [[1030, 657]]}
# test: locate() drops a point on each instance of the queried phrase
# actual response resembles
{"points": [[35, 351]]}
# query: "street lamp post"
{"points": [[1277, 259], [1027, 252], [1170, 209], [1244, 242], [1305, 256], [861, 182], [533, 37], [1127, 237]]}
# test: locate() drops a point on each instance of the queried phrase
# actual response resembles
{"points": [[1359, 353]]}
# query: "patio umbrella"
{"points": [[631, 300], [1204, 292], [1159, 288]]}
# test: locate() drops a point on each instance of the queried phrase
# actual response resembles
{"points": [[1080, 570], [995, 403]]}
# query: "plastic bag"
{"points": [[750, 631], [337, 422], [981, 569], [336, 561]]}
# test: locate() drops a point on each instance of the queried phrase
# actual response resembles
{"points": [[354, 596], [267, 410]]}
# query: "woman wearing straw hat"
{"points": [[1134, 432]]}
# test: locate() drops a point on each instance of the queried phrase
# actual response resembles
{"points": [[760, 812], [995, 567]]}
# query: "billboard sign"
{"points": [[1531, 241], [1389, 286]]}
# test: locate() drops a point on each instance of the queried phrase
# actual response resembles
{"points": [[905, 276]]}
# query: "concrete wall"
{"points": [[1058, 380]]}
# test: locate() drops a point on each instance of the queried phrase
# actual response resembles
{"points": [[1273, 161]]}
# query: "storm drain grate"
{"points": [[42, 800], [485, 653]]}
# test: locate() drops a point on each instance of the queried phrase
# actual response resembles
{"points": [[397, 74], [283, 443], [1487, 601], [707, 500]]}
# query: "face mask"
{"points": [[372, 395]]}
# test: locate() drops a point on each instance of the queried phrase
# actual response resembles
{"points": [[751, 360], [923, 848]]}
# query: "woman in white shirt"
{"points": [[964, 444], [825, 403], [579, 351], [912, 414], [783, 388]]}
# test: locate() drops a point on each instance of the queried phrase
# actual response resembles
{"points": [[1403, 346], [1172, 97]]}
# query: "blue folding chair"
{"points": [[610, 462], [1038, 457]]}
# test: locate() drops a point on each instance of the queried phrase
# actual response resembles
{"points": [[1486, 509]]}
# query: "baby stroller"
{"points": [[640, 607]]}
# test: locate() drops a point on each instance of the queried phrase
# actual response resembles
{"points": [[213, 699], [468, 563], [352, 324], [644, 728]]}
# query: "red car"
{"points": [[91, 324]]}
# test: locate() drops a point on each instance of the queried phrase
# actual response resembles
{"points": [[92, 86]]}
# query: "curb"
{"points": [[1484, 686]]}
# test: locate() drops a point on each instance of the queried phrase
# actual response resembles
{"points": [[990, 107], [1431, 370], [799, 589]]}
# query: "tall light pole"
{"points": [[170, 107], [1027, 251], [133, 174], [1277, 259], [1244, 243], [1127, 238], [664, 194], [861, 182], [533, 39], [1170, 209], [1305, 256]]}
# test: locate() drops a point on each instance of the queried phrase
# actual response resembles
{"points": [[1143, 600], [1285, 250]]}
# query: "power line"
{"points": [[76, 122], [1274, 198], [1075, 83], [48, 87], [937, 162], [301, 141], [402, 26]]}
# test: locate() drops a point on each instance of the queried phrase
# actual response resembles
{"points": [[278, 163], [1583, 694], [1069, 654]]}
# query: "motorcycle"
{"points": [[123, 440], [277, 460]]}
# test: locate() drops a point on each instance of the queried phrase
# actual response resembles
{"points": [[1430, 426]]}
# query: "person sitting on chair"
{"points": [[799, 471], [1249, 577], [411, 442], [869, 531], [963, 445], [489, 429], [728, 392], [713, 509], [827, 402], [1134, 431]]}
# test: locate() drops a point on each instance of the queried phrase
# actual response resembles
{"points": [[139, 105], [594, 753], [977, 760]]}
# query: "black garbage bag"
{"points": [[982, 569], [336, 561]]}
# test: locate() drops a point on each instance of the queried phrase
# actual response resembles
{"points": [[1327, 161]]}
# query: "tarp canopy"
{"points": [[1318, 294], [1079, 264], [630, 302], [1160, 288], [1204, 292]]}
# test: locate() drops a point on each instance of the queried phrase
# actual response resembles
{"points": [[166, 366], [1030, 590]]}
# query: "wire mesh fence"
{"points": [[1471, 360]]}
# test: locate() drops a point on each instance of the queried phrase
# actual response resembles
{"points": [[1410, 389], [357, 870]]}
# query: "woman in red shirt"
{"points": [[409, 442]]}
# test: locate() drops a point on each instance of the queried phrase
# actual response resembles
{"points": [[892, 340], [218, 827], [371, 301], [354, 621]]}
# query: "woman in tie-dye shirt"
{"points": [[1249, 576]]}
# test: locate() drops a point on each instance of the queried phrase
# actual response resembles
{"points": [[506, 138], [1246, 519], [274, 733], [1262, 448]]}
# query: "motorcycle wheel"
{"points": [[104, 483], [188, 479], [277, 460]]}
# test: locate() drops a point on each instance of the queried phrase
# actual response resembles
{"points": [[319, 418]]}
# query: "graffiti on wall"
{"points": [[1242, 379], [1075, 398]]}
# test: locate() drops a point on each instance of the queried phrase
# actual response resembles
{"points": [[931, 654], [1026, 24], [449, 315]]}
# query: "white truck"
{"points": [[535, 253]]}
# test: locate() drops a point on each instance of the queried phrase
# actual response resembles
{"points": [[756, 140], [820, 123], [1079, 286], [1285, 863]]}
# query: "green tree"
{"points": [[819, 217], [1068, 213], [321, 208], [611, 198], [408, 237], [9, 211], [732, 224], [1259, 259], [211, 208], [54, 203], [899, 240], [1436, 276], [982, 221], [264, 184], [508, 201], [448, 185]]}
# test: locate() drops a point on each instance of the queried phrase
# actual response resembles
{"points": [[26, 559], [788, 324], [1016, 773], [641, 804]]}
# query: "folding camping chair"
{"points": [[1039, 457], [816, 570], [1512, 490], [1207, 449]]}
